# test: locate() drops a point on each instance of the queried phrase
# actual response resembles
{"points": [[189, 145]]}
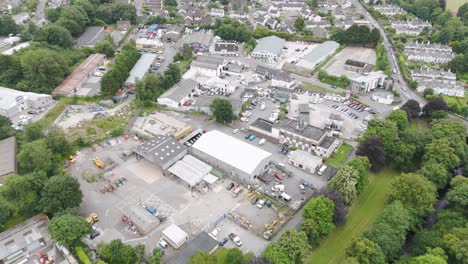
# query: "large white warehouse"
{"points": [[231, 155], [12, 102]]}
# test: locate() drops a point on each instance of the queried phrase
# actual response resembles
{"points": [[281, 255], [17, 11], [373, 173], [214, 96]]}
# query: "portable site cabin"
{"points": [[175, 236]]}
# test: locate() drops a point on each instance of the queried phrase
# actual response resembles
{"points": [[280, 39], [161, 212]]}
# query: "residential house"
{"points": [[217, 12], [427, 52], [389, 10], [413, 27]]}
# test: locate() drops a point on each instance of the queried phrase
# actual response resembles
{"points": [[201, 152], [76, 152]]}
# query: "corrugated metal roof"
{"points": [[271, 44]]}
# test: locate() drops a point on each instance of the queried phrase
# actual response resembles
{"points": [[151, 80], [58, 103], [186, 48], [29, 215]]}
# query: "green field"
{"points": [[371, 202], [338, 157], [456, 100], [315, 88], [453, 5]]}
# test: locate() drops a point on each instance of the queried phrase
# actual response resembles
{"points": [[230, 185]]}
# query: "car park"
{"points": [[278, 176]]}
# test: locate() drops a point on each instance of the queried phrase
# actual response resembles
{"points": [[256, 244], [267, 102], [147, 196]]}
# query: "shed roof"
{"points": [[303, 157], [207, 62], [175, 233], [271, 44], [141, 67], [8, 156], [79, 74], [160, 149], [241, 155], [324, 49], [180, 90], [142, 218]]}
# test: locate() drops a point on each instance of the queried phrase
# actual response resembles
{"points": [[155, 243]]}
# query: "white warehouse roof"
{"points": [[175, 233], [230, 150], [190, 169]]}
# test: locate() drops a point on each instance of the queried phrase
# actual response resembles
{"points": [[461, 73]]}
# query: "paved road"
{"points": [[40, 12]]}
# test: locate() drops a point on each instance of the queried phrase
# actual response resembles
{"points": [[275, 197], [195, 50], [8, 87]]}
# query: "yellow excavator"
{"points": [[99, 163], [92, 218]]}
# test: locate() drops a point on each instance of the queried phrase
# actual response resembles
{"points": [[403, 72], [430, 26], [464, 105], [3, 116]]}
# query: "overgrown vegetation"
{"points": [[342, 81]]}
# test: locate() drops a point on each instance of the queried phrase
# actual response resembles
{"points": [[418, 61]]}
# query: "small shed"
{"points": [[175, 236], [142, 219], [305, 160]]}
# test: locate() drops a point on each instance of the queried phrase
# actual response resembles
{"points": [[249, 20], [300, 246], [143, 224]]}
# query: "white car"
{"points": [[244, 119], [215, 232], [261, 203], [98, 74], [162, 243]]}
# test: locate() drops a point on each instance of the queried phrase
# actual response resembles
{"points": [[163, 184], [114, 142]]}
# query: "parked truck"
{"points": [[92, 218], [99, 163]]}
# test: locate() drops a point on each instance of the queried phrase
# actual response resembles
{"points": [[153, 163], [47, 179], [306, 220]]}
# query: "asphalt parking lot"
{"points": [[336, 65]]}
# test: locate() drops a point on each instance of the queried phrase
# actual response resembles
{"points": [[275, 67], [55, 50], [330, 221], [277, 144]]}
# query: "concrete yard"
{"points": [[336, 65]]}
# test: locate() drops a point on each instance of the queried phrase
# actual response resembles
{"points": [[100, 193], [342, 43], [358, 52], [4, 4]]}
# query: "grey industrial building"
{"points": [[318, 55], [163, 151], [8, 163], [140, 69], [268, 48], [142, 220], [242, 160]]}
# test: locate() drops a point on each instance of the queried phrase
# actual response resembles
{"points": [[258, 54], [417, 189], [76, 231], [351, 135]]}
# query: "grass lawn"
{"points": [[456, 100], [421, 125], [315, 88], [360, 218], [453, 5], [338, 157]]}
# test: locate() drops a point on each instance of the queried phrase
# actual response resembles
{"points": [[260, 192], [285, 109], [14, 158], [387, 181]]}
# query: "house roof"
{"points": [[180, 90], [228, 46], [200, 37], [241, 155], [271, 44]]}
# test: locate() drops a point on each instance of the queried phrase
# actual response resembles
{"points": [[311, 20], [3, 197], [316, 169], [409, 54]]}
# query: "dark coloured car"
{"points": [[229, 187], [254, 200], [223, 241], [94, 235]]}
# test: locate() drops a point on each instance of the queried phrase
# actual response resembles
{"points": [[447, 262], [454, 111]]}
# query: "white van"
{"points": [[322, 170], [238, 190], [262, 141], [285, 197]]}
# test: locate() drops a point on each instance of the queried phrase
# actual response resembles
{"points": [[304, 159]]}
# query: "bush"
{"points": [[82, 255]]}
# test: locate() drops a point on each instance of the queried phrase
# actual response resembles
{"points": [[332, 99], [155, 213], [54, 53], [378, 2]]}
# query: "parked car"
{"points": [[278, 176], [236, 185], [252, 138], [162, 243], [254, 200], [261, 203], [229, 187], [215, 232], [235, 239], [223, 241], [94, 235]]}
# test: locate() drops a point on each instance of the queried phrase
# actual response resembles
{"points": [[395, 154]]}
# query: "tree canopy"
{"points": [[68, 229], [60, 193], [222, 111]]}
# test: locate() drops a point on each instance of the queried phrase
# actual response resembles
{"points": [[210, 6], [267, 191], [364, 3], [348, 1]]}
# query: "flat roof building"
{"points": [[80, 75], [234, 156], [305, 160], [13, 102], [268, 48], [21, 243], [140, 69], [175, 236], [191, 170], [143, 220], [8, 163], [90, 37], [318, 55], [163, 151], [178, 94]]}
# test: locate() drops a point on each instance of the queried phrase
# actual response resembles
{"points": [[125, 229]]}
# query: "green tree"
{"points": [[235, 256], [436, 173], [365, 251], [373, 149], [400, 118], [412, 108], [35, 156], [11, 71], [56, 35], [6, 130], [458, 197], [43, 70], [433, 256], [440, 151], [117, 252], [68, 229], [61, 193], [8, 26], [299, 23], [313, 231], [274, 254], [345, 181], [24, 192], [222, 110], [202, 258], [75, 13], [320, 210], [6, 211], [72, 26], [419, 200], [57, 142], [456, 241], [388, 133], [156, 256], [105, 47], [294, 244], [362, 165], [389, 230]]}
